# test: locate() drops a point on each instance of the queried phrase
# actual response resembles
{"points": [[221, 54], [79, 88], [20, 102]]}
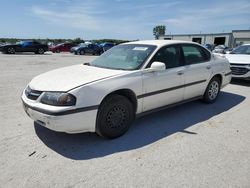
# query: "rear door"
{"points": [[164, 87], [197, 72], [63, 48], [67, 47], [89, 48]]}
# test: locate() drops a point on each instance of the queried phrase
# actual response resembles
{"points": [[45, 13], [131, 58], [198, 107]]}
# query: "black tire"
{"points": [[82, 52], [115, 115], [75, 53], [212, 91], [40, 51], [58, 51], [11, 50]]}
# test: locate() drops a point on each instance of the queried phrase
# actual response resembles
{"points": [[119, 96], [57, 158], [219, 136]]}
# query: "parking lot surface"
{"points": [[192, 145]]}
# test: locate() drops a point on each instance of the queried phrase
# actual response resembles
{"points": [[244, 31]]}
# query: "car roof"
{"points": [[160, 43]]}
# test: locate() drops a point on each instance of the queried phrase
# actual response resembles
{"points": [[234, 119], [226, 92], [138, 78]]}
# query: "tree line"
{"points": [[57, 41], [158, 31]]}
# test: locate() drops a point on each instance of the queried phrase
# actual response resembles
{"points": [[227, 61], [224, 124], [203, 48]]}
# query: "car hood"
{"points": [[238, 58], [67, 78]]}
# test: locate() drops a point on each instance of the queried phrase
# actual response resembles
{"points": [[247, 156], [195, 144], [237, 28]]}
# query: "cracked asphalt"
{"points": [[192, 145]]}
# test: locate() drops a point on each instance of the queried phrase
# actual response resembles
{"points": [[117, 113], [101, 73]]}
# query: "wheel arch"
{"points": [[128, 93], [218, 76]]}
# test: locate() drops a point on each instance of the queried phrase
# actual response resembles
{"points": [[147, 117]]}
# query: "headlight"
{"points": [[58, 99]]}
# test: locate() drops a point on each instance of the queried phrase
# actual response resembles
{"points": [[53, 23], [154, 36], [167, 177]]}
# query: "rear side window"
{"points": [[195, 54]]}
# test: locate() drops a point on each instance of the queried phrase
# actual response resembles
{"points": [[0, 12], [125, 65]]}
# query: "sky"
{"points": [[119, 19]]}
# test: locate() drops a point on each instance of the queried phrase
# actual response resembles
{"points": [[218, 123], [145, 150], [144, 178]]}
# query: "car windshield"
{"points": [[242, 50], [20, 42], [124, 57], [220, 47], [82, 45], [60, 44]]}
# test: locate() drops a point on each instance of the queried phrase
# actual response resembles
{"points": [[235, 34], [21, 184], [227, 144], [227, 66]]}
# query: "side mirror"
{"points": [[157, 66]]}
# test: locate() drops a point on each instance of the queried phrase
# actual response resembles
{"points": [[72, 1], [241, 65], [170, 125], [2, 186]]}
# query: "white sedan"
{"points": [[239, 60], [104, 96]]}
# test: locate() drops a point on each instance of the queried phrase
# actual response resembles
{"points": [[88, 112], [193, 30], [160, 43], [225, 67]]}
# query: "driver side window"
{"points": [[169, 55]]}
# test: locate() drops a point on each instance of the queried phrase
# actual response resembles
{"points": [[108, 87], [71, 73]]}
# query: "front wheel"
{"points": [[11, 50], [114, 117], [82, 52], [212, 91]]}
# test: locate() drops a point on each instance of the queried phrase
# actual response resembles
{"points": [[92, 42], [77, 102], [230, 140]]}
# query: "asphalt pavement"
{"points": [[192, 145]]}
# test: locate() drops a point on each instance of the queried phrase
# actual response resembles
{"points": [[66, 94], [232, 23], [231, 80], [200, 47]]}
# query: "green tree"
{"points": [[78, 40], [159, 30]]}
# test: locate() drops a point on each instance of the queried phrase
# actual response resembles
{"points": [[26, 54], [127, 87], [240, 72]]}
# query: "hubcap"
{"points": [[116, 117], [40, 51], [11, 50], [213, 90]]}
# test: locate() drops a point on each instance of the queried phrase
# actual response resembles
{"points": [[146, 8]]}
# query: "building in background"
{"points": [[233, 39]]}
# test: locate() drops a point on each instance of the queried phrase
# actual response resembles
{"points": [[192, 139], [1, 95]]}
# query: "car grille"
{"points": [[237, 64], [239, 70], [32, 94]]}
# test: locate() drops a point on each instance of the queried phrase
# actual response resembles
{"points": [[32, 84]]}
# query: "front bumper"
{"points": [[69, 121], [242, 72]]}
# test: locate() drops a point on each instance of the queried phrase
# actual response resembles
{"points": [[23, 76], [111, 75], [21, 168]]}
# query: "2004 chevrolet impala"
{"points": [[104, 96]]}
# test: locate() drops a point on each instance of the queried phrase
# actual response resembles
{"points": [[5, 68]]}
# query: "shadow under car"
{"points": [[145, 130]]}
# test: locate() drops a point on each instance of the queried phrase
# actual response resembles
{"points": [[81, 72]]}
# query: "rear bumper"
{"points": [[83, 121]]}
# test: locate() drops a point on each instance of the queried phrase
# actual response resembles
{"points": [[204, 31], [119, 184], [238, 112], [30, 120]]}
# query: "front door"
{"points": [[161, 88]]}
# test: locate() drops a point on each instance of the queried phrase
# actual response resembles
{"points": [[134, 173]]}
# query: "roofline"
{"points": [[202, 34], [243, 30]]}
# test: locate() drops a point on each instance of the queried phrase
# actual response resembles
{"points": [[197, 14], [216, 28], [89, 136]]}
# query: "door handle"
{"points": [[208, 67], [180, 72]]}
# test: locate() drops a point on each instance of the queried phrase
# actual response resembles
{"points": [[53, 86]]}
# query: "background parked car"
{"points": [[87, 48], [75, 48], [209, 46], [63, 47], [239, 60], [25, 46], [106, 46], [221, 49]]}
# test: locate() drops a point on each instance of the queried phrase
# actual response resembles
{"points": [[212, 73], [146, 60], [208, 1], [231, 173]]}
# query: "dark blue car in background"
{"points": [[106, 46], [83, 48]]}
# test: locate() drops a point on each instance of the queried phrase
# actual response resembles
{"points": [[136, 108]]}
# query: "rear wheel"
{"points": [[40, 51], [82, 52], [212, 91], [11, 50], [114, 117], [58, 51]]}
